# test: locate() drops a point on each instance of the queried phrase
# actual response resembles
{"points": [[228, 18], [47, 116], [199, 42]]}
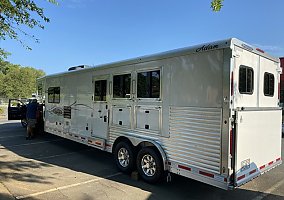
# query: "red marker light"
{"points": [[260, 50]]}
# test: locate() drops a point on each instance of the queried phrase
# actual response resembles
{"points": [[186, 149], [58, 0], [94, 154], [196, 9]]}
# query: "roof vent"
{"points": [[77, 67]]}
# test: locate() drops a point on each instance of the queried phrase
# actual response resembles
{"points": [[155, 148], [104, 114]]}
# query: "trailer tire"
{"points": [[150, 165], [124, 157]]}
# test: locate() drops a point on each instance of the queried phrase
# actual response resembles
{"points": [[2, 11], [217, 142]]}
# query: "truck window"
{"points": [[100, 90], [54, 95], [121, 86], [268, 84], [148, 84], [246, 80]]}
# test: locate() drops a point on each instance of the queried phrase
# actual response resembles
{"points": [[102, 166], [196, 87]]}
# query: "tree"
{"points": [[15, 14], [216, 5], [17, 81]]}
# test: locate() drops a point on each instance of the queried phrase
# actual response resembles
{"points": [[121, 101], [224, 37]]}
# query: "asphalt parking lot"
{"points": [[50, 167]]}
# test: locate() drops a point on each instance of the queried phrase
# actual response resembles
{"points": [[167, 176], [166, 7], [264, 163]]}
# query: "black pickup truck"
{"points": [[17, 109]]}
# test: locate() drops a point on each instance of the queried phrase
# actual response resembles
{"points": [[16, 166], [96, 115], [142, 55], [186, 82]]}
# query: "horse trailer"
{"points": [[208, 112]]}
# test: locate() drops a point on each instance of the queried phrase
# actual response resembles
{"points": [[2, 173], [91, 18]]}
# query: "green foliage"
{"points": [[15, 14], [1, 110], [17, 81], [216, 5], [3, 54]]}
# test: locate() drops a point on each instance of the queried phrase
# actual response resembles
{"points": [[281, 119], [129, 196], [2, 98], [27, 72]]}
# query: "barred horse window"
{"points": [[246, 80], [268, 87]]}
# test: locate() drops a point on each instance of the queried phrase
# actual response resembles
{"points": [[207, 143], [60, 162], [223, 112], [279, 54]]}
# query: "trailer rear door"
{"points": [[258, 117], [258, 142]]}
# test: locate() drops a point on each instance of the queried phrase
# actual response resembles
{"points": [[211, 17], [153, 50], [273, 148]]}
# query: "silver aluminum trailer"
{"points": [[208, 112]]}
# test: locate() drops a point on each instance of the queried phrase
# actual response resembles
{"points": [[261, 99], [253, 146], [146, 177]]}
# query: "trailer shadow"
{"points": [[81, 158]]}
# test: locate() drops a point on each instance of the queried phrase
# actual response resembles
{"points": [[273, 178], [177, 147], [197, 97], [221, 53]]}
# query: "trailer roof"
{"points": [[228, 43]]}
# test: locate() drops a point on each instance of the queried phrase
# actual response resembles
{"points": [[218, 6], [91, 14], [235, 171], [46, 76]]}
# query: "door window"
{"points": [[148, 84], [39, 89], [121, 86], [100, 90]]}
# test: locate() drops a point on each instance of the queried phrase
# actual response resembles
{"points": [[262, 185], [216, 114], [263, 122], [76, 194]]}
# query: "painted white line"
{"points": [[27, 144], [268, 191], [63, 154], [66, 187]]}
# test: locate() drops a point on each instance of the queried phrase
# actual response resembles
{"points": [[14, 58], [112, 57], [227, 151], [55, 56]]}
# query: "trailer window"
{"points": [[54, 95], [39, 89], [148, 84], [100, 90], [246, 80], [268, 87], [121, 86]]}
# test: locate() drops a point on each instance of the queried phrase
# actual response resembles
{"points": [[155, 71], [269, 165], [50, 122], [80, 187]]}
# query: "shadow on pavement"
{"points": [[17, 171], [5, 197], [95, 162]]}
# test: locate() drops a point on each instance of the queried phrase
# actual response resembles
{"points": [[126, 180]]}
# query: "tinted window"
{"points": [[246, 80], [268, 87], [57, 95], [54, 95], [121, 86], [39, 89], [148, 84], [100, 90]]}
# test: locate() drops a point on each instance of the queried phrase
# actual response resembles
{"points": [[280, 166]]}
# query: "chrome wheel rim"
{"points": [[148, 165], [123, 157]]}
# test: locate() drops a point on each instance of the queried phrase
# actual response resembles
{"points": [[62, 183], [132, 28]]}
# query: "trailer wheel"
{"points": [[149, 165], [124, 157]]}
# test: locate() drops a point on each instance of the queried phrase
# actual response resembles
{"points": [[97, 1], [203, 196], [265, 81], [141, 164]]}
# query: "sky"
{"points": [[93, 32]]}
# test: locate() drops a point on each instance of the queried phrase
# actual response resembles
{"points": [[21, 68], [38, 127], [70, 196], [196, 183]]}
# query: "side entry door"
{"points": [[100, 106], [16, 110]]}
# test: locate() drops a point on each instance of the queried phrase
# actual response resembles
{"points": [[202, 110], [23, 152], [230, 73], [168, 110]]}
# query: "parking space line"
{"points": [[268, 191], [67, 186], [27, 144], [63, 154]]}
